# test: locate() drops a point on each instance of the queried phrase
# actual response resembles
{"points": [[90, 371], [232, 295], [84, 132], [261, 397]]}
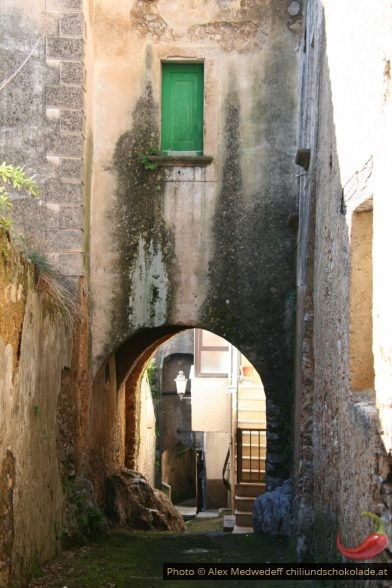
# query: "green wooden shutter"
{"points": [[182, 107]]}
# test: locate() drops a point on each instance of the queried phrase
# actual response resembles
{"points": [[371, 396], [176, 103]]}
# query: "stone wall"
{"points": [[343, 428], [41, 122], [35, 355], [206, 244], [304, 357]]}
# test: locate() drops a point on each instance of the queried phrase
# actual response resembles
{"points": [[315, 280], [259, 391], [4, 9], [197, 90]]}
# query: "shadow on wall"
{"points": [[252, 277], [179, 471]]}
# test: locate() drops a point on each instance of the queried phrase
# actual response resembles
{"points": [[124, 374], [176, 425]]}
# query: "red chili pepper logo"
{"points": [[371, 547]]}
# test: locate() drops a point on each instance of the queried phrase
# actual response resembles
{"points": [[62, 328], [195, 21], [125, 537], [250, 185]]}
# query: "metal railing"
{"points": [[250, 455], [226, 472]]}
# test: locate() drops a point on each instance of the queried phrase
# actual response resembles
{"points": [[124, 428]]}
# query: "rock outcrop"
{"points": [[272, 511], [132, 503]]}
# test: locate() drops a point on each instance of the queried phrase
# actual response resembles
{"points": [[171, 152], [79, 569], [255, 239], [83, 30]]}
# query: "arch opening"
{"points": [[123, 433], [211, 444]]}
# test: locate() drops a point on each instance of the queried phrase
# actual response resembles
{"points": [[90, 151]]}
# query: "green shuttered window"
{"points": [[182, 108]]}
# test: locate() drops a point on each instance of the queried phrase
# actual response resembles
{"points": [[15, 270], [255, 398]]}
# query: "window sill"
{"points": [[180, 160]]}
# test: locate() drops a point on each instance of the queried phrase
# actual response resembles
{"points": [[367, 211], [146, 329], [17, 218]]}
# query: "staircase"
{"points": [[245, 495], [250, 452]]}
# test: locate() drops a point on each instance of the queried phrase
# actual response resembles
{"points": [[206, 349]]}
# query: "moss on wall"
{"points": [[252, 276], [145, 242], [223, 310]]}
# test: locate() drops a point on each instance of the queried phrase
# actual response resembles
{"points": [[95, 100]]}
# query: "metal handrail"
{"points": [[253, 475], [224, 479]]}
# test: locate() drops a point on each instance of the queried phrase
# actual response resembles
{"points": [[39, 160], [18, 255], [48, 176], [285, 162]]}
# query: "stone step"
{"points": [[244, 503], [250, 489], [252, 478], [250, 387], [246, 397], [243, 519], [251, 404], [243, 530], [249, 399], [250, 423], [255, 415], [228, 523]]}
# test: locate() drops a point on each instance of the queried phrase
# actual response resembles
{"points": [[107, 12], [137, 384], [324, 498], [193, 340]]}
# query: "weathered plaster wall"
{"points": [[41, 122], [343, 433], [145, 462], [211, 405], [207, 246], [216, 446], [35, 350]]}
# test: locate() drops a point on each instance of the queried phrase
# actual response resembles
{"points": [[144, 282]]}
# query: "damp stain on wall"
{"points": [[145, 242]]}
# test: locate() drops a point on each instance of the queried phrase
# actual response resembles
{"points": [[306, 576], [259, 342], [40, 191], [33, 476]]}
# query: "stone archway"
{"points": [[113, 435]]}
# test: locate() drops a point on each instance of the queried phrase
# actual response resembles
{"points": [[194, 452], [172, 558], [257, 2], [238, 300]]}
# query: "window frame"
{"points": [[199, 347], [200, 105]]}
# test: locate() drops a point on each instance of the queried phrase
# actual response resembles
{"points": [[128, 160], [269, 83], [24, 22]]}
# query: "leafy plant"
{"points": [[151, 370], [16, 177], [144, 158]]}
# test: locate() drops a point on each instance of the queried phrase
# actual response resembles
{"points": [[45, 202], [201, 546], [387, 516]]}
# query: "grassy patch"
{"points": [[134, 559]]}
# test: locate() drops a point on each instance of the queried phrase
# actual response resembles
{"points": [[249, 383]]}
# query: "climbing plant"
{"points": [[15, 177]]}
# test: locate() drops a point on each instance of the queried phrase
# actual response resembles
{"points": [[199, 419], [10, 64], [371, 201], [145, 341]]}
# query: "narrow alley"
{"points": [[195, 287], [134, 560]]}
